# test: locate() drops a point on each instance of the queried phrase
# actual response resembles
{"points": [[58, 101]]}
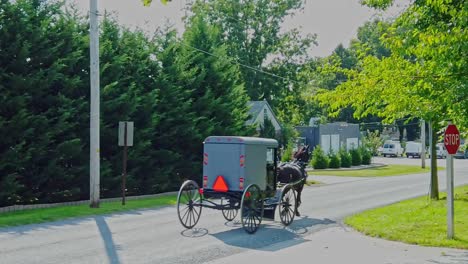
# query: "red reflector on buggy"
{"points": [[247, 194], [220, 184], [242, 160], [205, 181], [200, 191]]}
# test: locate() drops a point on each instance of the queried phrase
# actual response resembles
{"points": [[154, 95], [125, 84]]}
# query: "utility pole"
{"points": [[94, 155], [423, 144]]}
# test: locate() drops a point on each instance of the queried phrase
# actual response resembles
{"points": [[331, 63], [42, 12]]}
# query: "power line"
{"points": [[240, 63]]}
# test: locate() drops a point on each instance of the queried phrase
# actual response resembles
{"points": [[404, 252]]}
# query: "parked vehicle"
{"points": [[413, 149], [462, 152], [392, 149], [441, 152]]}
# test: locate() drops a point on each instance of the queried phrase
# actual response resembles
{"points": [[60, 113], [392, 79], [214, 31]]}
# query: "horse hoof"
{"points": [[297, 213]]}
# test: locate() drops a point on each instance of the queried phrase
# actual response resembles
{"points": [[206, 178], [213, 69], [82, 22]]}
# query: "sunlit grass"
{"points": [[35, 216], [389, 170], [417, 221], [312, 182]]}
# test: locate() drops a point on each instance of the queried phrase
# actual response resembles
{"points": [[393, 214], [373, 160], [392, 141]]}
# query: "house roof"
{"points": [[255, 107]]}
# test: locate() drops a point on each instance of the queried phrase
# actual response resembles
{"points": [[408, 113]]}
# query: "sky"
{"points": [[334, 21]]}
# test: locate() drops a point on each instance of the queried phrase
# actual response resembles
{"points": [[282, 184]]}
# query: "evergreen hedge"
{"points": [[319, 159], [176, 97], [345, 158], [356, 158], [335, 161], [366, 156]]}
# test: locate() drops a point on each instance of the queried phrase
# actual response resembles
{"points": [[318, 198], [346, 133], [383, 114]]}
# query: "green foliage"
{"points": [[372, 141], [288, 153], [427, 65], [262, 19], [319, 159], [176, 96], [43, 104], [267, 130], [333, 71], [345, 158], [288, 134], [366, 155], [335, 161], [356, 158], [378, 4], [148, 2], [252, 34]]}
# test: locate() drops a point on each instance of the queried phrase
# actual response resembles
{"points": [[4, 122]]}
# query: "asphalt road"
{"points": [[155, 236]]}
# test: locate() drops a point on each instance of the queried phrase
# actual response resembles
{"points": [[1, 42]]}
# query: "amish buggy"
{"points": [[242, 173]]}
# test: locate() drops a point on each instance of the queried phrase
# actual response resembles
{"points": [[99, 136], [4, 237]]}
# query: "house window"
{"points": [[265, 115]]}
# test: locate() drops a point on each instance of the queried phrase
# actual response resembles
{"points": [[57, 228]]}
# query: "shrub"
{"points": [[366, 156], [335, 161], [319, 159], [356, 158], [372, 142], [345, 158]]}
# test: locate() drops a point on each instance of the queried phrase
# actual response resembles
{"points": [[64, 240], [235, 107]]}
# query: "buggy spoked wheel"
{"points": [[189, 202], [229, 214], [251, 208], [287, 205]]}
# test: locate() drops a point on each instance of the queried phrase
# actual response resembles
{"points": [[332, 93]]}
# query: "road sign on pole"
{"points": [[452, 139], [451, 142], [125, 140]]}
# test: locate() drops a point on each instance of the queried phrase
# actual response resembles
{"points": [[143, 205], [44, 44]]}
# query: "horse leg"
{"points": [[299, 191]]}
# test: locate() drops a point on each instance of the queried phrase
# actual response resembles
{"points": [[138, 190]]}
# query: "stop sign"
{"points": [[452, 139]]}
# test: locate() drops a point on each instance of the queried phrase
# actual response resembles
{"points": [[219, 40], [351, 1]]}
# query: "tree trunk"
{"points": [[434, 179]]}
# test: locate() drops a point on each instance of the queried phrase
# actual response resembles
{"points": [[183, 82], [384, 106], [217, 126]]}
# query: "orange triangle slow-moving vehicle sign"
{"points": [[220, 184]]}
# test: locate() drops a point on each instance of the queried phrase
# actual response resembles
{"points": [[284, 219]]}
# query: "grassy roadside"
{"points": [[417, 221], [389, 170], [36, 216], [312, 182]]}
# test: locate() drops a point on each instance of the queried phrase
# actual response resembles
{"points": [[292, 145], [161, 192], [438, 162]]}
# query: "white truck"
{"points": [[392, 149], [413, 149]]}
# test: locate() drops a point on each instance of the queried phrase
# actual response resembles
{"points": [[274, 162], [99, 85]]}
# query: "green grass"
{"points": [[417, 221], [311, 182], [389, 170], [35, 216]]}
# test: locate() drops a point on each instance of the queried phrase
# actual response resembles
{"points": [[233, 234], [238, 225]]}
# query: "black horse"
{"points": [[295, 172]]}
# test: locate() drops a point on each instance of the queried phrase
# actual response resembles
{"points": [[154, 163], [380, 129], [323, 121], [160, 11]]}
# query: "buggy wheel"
{"points": [[251, 208], [189, 204], [229, 214], [287, 205]]}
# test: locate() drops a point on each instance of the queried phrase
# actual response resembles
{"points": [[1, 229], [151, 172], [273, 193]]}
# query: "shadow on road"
{"points": [[194, 232], [106, 235], [271, 237]]}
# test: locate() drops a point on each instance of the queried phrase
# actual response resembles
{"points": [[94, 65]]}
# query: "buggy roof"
{"points": [[241, 140]]}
